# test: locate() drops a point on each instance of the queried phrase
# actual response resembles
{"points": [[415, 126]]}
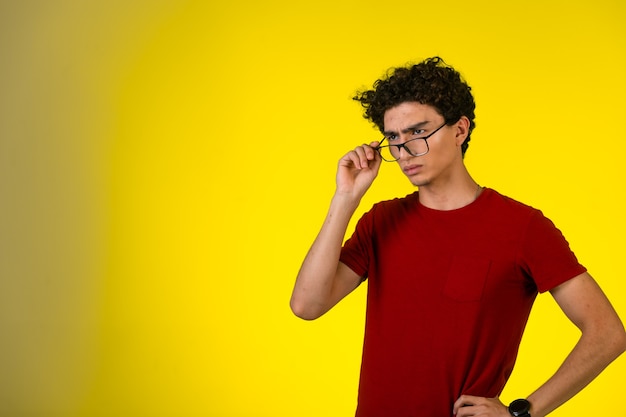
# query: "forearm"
{"points": [[313, 291], [589, 357]]}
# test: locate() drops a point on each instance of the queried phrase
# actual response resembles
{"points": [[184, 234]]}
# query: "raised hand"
{"points": [[357, 170]]}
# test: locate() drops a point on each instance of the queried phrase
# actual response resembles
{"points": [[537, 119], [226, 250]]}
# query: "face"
{"points": [[444, 157]]}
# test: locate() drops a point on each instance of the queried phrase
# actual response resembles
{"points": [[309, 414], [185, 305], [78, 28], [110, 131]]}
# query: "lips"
{"points": [[412, 169]]}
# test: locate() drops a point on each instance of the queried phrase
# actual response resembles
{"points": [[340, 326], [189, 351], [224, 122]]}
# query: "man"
{"points": [[452, 269]]}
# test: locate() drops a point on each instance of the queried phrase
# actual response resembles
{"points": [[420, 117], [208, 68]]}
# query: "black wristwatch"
{"points": [[520, 408]]}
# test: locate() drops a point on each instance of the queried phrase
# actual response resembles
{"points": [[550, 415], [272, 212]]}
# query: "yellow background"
{"points": [[165, 165]]}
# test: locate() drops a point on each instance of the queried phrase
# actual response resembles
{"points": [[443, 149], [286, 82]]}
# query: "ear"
{"points": [[462, 130]]}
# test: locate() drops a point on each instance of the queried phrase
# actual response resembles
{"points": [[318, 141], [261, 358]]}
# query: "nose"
{"points": [[403, 153]]}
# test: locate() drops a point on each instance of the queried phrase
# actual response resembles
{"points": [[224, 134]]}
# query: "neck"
{"points": [[451, 196]]}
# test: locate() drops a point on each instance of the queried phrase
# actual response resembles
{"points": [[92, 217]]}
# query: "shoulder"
{"points": [[501, 211], [506, 205], [496, 197], [396, 204], [386, 212]]}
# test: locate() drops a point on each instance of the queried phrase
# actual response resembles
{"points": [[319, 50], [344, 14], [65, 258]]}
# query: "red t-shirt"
{"points": [[449, 294]]}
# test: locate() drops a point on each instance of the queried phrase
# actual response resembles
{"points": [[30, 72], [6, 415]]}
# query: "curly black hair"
{"points": [[431, 82]]}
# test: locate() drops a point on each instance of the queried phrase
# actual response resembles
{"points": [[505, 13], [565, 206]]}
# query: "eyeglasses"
{"points": [[416, 146]]}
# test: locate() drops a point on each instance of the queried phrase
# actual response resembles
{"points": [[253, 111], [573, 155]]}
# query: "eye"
{"points": [[392, 137], [417, 132]]}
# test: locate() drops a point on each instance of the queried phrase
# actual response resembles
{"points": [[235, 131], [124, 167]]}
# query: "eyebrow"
{"points": [[407, 129]]}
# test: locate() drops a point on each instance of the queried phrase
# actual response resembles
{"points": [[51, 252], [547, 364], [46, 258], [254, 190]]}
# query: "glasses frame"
{"points": [[403, 145]]}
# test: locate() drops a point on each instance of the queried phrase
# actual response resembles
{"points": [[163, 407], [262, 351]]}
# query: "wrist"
{"points": [[345, 201], [520, 408]]}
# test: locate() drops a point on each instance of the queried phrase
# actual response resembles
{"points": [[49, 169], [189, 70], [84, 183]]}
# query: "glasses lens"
{"points": [[417, 147], [389, 153]]}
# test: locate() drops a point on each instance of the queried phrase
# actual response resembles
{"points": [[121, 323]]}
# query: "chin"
{"points": [[418, 183]]}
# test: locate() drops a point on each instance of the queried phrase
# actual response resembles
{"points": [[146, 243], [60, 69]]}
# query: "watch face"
{"points": [[519, 407]]}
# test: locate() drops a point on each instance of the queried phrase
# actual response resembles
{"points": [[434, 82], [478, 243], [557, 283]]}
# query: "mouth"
{"points": [[412, 169]]}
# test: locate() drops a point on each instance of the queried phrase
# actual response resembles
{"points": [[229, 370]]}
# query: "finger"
{"points": [[464, 412], [352, 159], [365, 154], [371, 152], [464, 401], [361, 156]]}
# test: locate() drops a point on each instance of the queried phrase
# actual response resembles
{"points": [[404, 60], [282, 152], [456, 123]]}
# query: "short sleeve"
{"points": [[357, 250], [546, 255]]}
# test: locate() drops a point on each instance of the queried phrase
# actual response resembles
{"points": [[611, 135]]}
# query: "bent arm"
{"points": [[603, 339], [323, 281]]}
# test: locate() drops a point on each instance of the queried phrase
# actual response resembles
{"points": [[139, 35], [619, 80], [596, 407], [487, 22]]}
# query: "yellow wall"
{"points": [[164, 166]]}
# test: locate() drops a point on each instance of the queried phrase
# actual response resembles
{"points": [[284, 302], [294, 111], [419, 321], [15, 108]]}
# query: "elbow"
{"points": [[620, 342], [303, 310], [615, 342]]}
